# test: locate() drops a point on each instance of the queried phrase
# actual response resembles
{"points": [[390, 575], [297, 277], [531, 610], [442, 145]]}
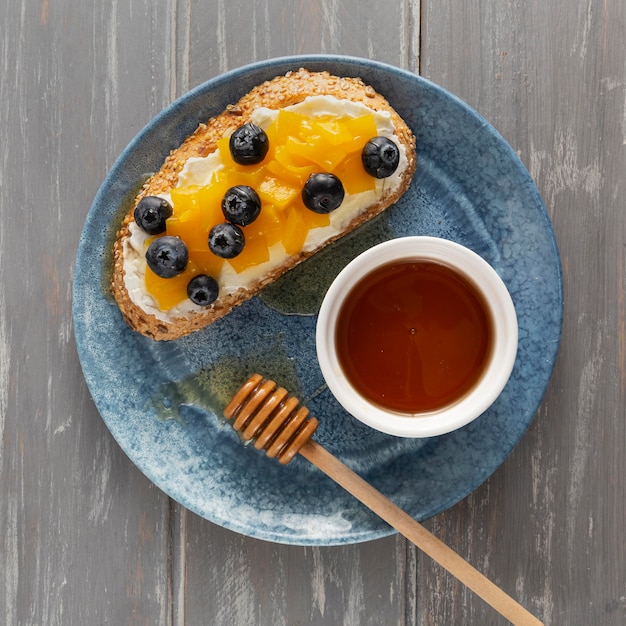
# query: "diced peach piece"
{"points": [[184, 198], [200, 204], [193, 230], [168, 292], [291, 124], [255, 251], [302, 153], [270, 224], [285, 166], [322, 152], [223, 147], [295, 232], [353, 175], [296, 151], [362, 128], [194, 237], [277, 192], [332, 131], [206, 262], [312, 219], [251, 178]]}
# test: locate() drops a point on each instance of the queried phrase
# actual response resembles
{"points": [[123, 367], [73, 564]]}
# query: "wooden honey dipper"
{"points": [[273, 419]]}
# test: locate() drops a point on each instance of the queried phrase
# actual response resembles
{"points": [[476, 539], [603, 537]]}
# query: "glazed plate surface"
{"points": [[162, 401]]}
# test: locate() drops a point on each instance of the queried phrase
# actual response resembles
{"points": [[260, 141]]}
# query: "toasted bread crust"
{"points": [[279, 92]]}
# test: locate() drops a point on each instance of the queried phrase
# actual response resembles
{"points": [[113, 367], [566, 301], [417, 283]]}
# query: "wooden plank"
{"points": [[230, 579], [83, 535], [550, 525], [227, 34]]}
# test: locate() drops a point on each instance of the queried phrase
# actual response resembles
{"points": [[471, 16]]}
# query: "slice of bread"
{"points": [[281, 92]]}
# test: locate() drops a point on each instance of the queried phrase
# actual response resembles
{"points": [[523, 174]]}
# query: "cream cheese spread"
{"points": [[198, 171]]}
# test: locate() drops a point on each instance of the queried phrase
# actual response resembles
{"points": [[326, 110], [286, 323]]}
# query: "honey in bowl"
{"points": [[428, 336], [414, 336]]}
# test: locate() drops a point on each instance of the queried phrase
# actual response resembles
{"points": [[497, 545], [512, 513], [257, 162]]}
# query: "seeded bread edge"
{"points": [[279, 92]]}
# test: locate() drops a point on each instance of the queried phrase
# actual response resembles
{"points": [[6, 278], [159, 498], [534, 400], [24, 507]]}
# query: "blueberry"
{"points": [[380, 157], [322, 193], [248, 144], [226, 240], [241, 205], [150, 214], [203, 290], [167, 256]]}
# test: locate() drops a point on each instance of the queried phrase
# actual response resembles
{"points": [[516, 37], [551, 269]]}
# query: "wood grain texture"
{"points": [[552, 78], [226, 34], [236, 580], [86, 539], [83, 535]]}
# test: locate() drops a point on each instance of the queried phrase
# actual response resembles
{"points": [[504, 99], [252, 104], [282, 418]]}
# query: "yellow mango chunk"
{"points": [[295, 232], [206, 262], [312, 219], [168, 292], [322, 153], [197, 208], [239, 175], [187, 229], [353, 175], [289, 124], [292, 170], [361, 128], [269, 224], [332, 131], [255, 251], [277, 192]]}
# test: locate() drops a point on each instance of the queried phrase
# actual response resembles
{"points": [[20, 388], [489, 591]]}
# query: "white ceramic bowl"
{"points": [[496, 371]]}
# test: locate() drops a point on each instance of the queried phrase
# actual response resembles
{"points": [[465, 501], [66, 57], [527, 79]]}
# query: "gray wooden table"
{"points": [[86, 539]]}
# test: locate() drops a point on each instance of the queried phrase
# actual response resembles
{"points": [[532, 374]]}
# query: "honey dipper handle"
{"points": [[416, 533]]}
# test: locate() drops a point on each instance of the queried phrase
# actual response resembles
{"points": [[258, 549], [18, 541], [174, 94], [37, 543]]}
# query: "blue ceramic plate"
{"points": [[162, 401]]}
